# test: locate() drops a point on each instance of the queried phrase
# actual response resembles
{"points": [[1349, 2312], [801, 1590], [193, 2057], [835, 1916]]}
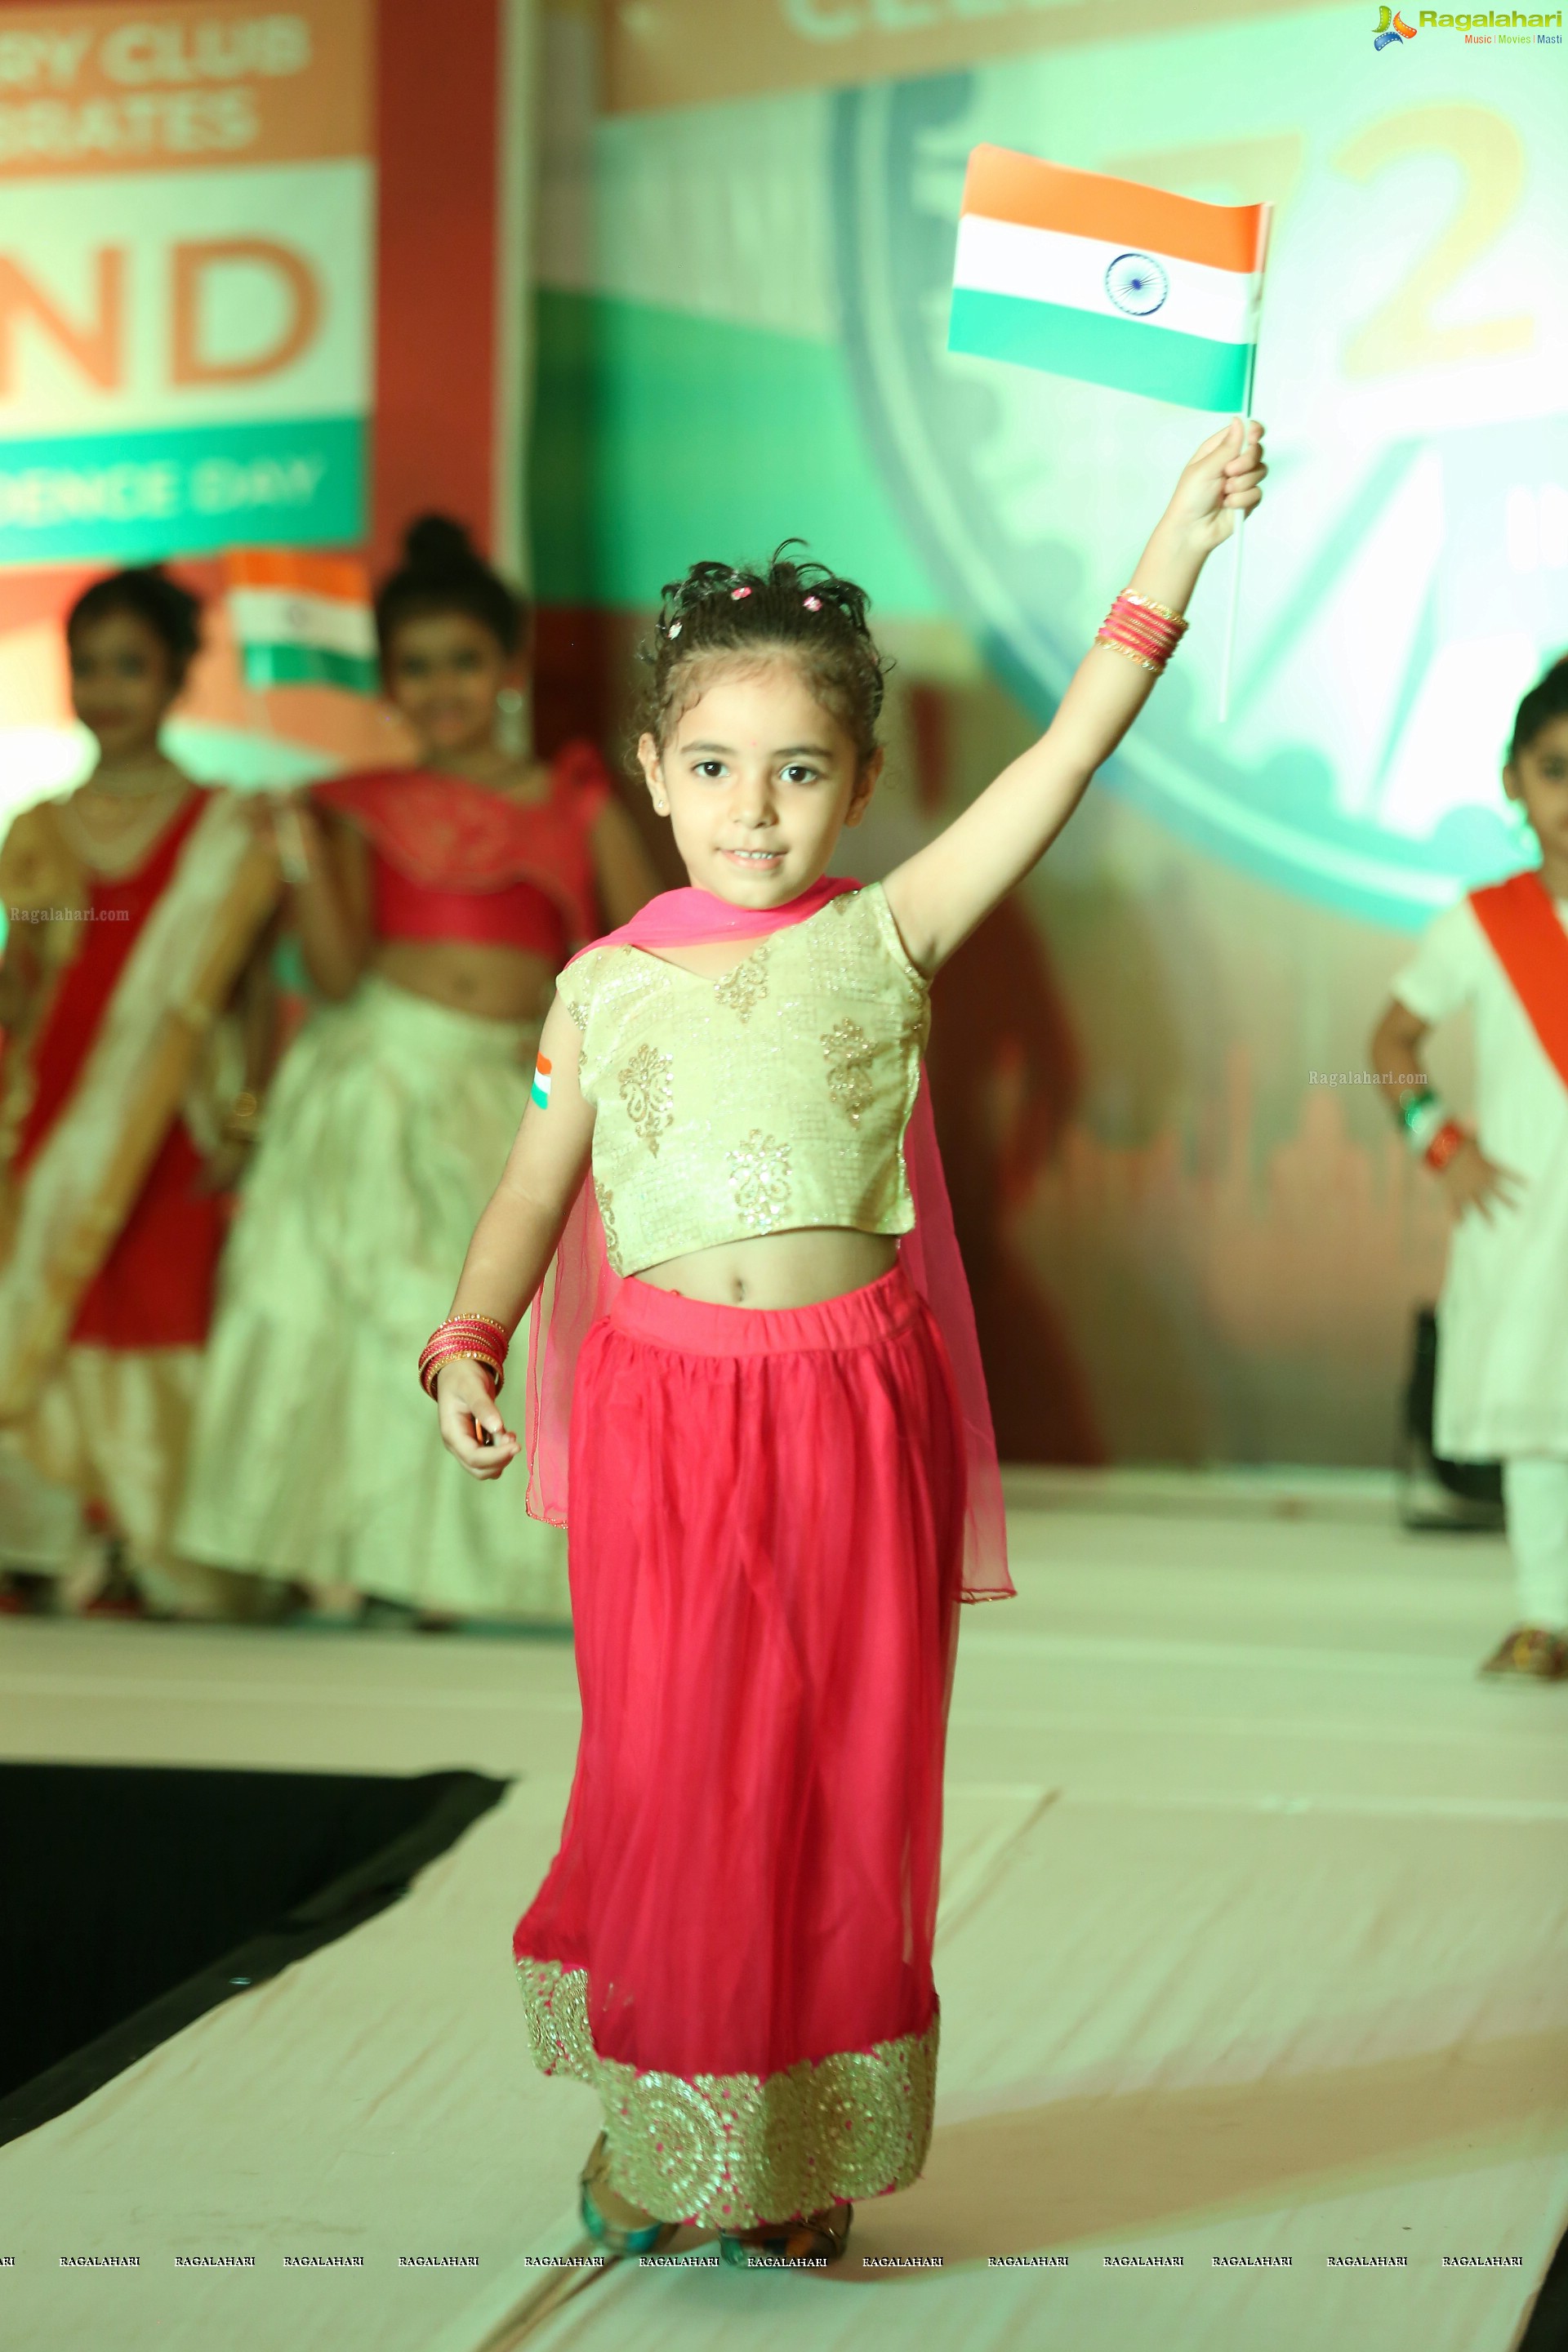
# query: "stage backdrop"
{"points": [[1193, 1234], [263, 281]]}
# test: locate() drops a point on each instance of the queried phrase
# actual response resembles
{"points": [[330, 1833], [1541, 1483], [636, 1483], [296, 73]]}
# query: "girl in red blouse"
{"points": [[440, 903]]}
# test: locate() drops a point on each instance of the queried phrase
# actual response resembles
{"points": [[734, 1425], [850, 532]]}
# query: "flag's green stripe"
{"points": [[310, 666], [1159, 361]]}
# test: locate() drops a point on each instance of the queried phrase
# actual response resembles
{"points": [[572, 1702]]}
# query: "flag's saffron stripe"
{"points": [[1007, 187], [1188, 369], [285, 568], [300, 665], [1042, 266]]}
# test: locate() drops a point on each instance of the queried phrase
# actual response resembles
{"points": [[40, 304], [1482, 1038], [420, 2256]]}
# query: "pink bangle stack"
{"points": [[1145, 632], [477, 1338]]}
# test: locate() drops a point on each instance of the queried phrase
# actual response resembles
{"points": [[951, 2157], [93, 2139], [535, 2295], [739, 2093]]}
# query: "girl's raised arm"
{"points": [[939, 896], [515, 1240]]}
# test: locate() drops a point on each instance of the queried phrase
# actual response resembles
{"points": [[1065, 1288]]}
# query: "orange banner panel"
{"points": [[97, 90]]}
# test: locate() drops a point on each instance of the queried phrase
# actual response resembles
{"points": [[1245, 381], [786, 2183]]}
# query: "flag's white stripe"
{"points": [[299, 616], [1043, 265]]}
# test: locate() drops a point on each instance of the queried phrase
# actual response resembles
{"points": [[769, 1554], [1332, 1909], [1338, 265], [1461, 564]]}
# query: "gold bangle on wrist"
{"points": [[1133, 596]]}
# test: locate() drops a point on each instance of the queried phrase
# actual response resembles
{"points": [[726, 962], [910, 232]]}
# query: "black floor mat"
{"points": [[133, 1897]]}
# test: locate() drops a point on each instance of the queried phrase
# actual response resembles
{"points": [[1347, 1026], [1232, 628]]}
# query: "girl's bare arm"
{"points": [[1396, 1050], [1469, 1179], [20, 981], [331, 908], [513, 1243], [939, 896]]}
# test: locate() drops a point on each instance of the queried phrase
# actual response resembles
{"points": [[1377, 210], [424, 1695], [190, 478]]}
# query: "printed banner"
{"points": [[685, 52], [186, 256]]}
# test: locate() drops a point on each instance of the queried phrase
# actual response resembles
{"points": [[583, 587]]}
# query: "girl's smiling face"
{"points": [[758, 781], [444, 671]]}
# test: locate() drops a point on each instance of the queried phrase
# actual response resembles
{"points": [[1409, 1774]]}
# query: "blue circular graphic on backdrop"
{"points": [[950, 438], [1136, 284]]}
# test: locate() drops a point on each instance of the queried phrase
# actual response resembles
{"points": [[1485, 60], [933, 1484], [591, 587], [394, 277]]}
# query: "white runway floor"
{"points": [[1254, 1942]]}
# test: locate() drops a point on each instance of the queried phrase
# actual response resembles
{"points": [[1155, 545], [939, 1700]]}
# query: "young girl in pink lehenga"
{"points": [[781, 1475]]}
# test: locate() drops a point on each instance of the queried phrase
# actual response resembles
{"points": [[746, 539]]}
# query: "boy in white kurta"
{"points": [[1502, 1354]]}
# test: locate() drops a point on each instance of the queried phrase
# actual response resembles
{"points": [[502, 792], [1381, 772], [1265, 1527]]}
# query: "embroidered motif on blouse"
{"points": [[647, 1087], [577, 1013], [743, 988], [606, 1205], [729, 2151], [847, 1052], [759, 1177]]}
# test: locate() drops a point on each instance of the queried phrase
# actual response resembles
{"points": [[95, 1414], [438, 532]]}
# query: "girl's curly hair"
{"points": [[802, 609]]}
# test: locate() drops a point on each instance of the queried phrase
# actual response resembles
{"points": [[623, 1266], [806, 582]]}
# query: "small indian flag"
{"points": [[1108, 280], [540, 1091], [302, 620]]}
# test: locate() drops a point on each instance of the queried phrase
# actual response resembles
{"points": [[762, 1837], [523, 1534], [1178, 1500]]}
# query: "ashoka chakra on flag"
{"points": [[1136, 283]]}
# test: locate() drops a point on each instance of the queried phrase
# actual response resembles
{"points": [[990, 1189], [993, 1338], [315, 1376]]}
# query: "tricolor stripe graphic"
{"points": [[540, 1090], [302, 620], [1084, 276]]}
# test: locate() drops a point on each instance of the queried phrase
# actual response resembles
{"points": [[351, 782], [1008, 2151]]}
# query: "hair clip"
{"points": [[673, 630], [814, 604], [736, 595]]}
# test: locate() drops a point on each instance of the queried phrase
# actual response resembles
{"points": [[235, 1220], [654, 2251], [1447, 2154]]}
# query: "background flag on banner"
{"points": [[302, 620], [1083, 276]]}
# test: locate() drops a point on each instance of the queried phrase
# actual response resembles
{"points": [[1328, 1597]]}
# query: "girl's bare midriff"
{"points": [[498, 983], [775, 1270]]}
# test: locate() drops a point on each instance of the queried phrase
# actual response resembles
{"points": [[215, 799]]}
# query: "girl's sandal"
{"points": [[819, 2238], [610, 2219], [1532, 1652]]}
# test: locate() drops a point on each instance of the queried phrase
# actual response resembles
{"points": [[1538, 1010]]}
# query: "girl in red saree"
{"points": [[441, 902], [136, 1009], [780, 1475]]}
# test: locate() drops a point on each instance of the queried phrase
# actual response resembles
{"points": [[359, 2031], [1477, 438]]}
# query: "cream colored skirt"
{"points": [[315, 1453]]}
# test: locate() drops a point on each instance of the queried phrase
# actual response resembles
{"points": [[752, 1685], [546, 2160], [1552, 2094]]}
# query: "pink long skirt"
{"points": [[733, 1943]]}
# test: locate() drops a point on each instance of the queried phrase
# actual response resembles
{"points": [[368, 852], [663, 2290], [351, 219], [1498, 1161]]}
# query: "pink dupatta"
{"points": [[581, 1285]]}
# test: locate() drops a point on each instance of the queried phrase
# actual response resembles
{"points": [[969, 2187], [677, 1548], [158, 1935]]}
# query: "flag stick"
{"points": [[1227, 654], [286, 830]]}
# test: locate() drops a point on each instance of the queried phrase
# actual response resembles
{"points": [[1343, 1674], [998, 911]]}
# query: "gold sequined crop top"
{"points": [[773, 1097]]}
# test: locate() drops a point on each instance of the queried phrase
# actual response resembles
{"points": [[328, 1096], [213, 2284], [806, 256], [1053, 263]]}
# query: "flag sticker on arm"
{"points": [[540, 1090], [1106, 280]]}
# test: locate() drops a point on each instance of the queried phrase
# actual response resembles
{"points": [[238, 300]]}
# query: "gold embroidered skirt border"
{"points": [[729, 2151]]}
